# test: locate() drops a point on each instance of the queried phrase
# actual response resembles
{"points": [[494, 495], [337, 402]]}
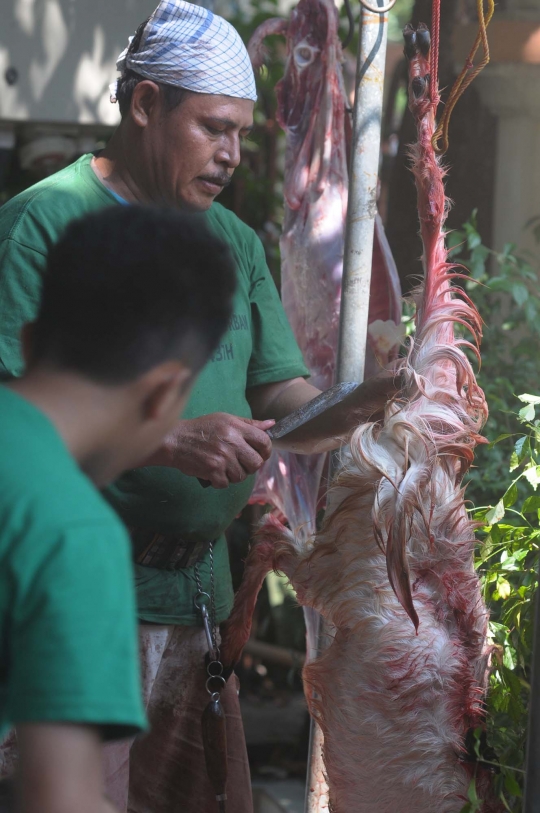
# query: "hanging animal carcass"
{"points": [[404, 678], [312, 110]]}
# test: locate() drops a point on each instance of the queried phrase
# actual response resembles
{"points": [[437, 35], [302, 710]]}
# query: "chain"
{"points": [[214, 732], [206, 604], [213, 624]]}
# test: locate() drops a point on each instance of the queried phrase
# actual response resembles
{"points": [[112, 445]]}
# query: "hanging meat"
{"points": [[402, 684], [312, 110]]}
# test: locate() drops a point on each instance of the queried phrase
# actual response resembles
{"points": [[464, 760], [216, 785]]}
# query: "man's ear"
{"points": [[145, 98], [27, 343], [164, 386]]}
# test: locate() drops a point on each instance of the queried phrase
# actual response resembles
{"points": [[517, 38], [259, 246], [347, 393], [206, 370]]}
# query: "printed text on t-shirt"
{"points": [[239, 321], [224, 352]]}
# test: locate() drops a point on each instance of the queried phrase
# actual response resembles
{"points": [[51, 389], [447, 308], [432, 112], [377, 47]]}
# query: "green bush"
{"points": [[503, 485], [507, 563], [504, 287]]}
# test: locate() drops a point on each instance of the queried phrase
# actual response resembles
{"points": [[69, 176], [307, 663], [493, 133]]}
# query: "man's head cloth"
{"points": [[188, 46]]}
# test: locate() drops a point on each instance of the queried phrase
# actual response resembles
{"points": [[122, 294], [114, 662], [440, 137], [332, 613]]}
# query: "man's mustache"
{"points": [[220, 180]]}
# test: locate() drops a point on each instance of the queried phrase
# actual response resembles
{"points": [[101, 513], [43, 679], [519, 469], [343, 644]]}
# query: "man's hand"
{"points": [[219, 447]]}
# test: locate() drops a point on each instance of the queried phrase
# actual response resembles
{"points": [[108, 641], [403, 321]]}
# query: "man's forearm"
{"points": [[329, 430]]}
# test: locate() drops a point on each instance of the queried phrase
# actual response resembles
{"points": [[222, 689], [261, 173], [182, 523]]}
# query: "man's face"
{"points": [[194, 149]]}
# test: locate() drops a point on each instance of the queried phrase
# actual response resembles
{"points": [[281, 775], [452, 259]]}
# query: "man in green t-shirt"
{"points": [[133, 303], [186, 95]]}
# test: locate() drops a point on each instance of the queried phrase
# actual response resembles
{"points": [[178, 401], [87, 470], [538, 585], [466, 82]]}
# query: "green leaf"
{"points": [[521, 446], [510, 496], [496, 513], [509, 656], [455, 239], [473, 240], [477, 262], [527, 413], [499, 438], [503, 589], [531, 505], [473, 796], [532, 474], [520, 293], [529, 399], [511, 785]]}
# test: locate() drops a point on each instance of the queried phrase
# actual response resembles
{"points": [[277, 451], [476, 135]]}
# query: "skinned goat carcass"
{"points": [[312, 110], [404, 678]]}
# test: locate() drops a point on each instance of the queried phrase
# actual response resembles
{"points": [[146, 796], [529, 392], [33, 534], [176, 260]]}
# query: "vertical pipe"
{"points": [[362, 205], [532, 777], [361, 210]]}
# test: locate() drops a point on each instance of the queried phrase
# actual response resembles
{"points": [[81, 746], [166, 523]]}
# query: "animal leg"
{"points": [[273, 552]]}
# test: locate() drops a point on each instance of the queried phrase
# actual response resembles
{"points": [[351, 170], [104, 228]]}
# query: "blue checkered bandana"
{"points": [[188, 46]]}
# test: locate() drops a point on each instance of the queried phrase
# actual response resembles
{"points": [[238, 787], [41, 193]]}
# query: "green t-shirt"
{"points": [[258, 348], [68, 645]]}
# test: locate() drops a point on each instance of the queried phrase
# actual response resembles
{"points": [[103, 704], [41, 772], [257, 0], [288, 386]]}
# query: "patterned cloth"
{"points": [[190, 47], [165, 770]]}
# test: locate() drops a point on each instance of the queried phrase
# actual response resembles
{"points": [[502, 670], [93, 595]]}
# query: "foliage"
{"points": [[504, 287], [507, 564]]}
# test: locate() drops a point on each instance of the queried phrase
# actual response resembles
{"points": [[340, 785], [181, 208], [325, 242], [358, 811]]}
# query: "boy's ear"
{"points": [[27, 342], [165, 385]]}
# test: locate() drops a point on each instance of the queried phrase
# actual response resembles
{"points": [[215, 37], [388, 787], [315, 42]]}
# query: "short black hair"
{"points": [[172, 96], [130, 287]]}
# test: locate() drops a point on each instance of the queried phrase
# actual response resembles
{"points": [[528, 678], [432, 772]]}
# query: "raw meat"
{"points": [[312, 111], [403, 681]]}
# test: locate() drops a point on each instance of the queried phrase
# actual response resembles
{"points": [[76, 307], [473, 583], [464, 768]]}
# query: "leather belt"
{"points": [[166, 551]]}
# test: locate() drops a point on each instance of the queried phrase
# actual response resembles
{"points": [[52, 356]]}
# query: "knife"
{"points": [[306, 413]]}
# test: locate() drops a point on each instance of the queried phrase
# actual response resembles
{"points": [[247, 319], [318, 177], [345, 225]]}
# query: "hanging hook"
{"points": [[378, 9], [369, 7]]}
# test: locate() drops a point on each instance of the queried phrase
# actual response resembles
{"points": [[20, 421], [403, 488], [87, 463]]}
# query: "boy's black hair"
{"points": [[129, 287]]}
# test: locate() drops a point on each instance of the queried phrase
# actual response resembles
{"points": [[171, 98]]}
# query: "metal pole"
{"points": [[362, 206], [361, 211], [532, 777]]}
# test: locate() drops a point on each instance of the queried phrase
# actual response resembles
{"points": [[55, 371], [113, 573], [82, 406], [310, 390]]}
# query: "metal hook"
{"points": [[378, 9], [369, 7]]}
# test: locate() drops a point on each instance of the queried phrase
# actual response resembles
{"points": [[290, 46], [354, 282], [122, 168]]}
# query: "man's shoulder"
{"points": [[35, 217], [233, 230]]}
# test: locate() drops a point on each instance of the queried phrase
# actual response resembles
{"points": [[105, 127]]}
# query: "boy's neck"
{"points": [[87, 416]]}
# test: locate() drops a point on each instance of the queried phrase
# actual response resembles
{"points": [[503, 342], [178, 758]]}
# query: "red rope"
{"points": [[434, 53]]}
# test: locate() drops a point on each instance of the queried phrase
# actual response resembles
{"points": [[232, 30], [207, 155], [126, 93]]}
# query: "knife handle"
{"points": [[206, 483]]}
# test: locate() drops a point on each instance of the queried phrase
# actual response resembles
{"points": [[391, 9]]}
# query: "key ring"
{"points": [[219, 669], [215, 677], [198, 601]]}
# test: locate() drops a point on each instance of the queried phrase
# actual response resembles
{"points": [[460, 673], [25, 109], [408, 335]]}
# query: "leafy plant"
{"points": [[507, 564], [504, 287]]}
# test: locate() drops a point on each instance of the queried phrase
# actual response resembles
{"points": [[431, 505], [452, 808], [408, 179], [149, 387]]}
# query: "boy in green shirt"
{"points": [[134, 301]]}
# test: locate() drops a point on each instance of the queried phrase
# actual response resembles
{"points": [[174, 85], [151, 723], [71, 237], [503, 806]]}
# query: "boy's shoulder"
{"points": [[41, 485]]}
